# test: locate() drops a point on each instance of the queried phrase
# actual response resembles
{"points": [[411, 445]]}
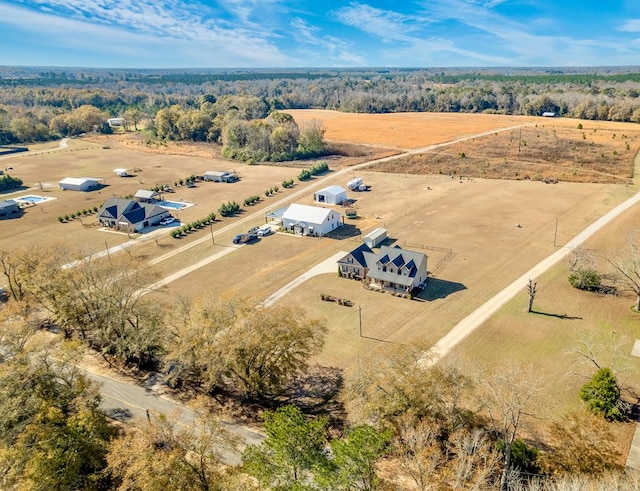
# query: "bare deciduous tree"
{"points": [[532, 289], [627, 265], [509, 397]]}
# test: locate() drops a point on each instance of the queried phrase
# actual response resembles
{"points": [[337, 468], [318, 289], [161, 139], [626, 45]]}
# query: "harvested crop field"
{"points": [[534, 148]]}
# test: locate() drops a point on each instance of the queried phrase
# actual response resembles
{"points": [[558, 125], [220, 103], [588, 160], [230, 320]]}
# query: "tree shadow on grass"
{"points": [[559, 316], [437, 289]]}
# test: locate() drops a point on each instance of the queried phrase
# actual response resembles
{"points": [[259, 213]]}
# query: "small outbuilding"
{"points": [[333, 195], [8, 206], [147, 196], [220, 176], [116, 122], [121, 172], [80, 183], [310, 220], [375, 237]]}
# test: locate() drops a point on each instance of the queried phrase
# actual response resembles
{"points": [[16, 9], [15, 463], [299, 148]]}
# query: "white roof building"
{"points": [[80, 183], [333, 195], [310, 220]]}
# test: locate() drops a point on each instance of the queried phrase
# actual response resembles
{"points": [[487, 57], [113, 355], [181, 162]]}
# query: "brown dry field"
{"points": [[405, 130], [540, 148], [476, 219], [549, 343]]}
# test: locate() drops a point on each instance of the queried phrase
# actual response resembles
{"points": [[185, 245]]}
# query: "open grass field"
{"points": [[475, 219], [549, 342]]}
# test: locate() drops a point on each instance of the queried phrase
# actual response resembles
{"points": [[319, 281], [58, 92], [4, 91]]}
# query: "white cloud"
{"points": [[141, 28], [632, 25], [386, 24]]}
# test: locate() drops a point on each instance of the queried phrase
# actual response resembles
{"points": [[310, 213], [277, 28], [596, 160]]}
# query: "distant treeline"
{"points": [[34, 103]]}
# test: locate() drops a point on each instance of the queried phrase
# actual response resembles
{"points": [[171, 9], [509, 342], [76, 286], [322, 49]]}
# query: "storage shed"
{"points": [[375, 237], [80, 183], [220, 176], [333, 195], [147, 196], [121, 172]]}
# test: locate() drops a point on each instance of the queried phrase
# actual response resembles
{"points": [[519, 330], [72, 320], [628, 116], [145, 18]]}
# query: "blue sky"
{"points": [[329, 33]]}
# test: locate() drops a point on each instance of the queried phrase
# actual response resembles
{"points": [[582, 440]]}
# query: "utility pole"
{"points": [[360, 318], [211, 230], [555, 235]]}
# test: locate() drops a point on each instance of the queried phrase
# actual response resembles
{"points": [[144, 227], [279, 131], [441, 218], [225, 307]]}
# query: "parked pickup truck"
{"points": [[264, 230], [245, 238]]}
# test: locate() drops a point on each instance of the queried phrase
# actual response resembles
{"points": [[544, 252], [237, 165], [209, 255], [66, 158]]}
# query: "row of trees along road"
{"points": [[451, 426]]}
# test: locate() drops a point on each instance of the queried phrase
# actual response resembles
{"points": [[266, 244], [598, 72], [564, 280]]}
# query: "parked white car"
{"points": [[167, 220], [264, 230]]}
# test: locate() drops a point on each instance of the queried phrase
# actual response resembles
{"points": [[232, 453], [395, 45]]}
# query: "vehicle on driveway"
{"points": [[245, 238], [167, 220], [264, 230]]}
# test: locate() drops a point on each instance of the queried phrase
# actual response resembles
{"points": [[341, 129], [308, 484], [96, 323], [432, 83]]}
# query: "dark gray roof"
{"points": [[358, 255], [8, 203], [407, 261], [128, 210]]}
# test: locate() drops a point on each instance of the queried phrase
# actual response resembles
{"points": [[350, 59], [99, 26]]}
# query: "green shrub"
{"points": [[586, 279], [61, 219], [229, 209], [602, 396], [305, 175]]}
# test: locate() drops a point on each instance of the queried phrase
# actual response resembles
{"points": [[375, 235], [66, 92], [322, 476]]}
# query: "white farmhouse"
{"points": [[310, 220]]}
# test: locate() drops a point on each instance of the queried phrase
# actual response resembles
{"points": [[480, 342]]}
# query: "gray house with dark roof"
{"points": [[396, 269], [353, 265], [391, 268], [129, 215]]}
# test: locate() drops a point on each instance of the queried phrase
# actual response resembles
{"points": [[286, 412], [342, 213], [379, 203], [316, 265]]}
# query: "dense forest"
{"points": [[40, 104]]}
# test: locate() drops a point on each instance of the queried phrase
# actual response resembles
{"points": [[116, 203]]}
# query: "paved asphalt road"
{"points": [[126, 402]]}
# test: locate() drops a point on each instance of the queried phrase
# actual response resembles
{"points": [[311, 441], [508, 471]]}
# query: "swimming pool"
{"points": [[32, 199], [173, 205]]}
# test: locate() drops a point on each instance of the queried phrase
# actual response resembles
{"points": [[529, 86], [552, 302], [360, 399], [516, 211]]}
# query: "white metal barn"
{"points": [[310, 220], [80, 183], [333, 195], [219, 176], [375, 237]]}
